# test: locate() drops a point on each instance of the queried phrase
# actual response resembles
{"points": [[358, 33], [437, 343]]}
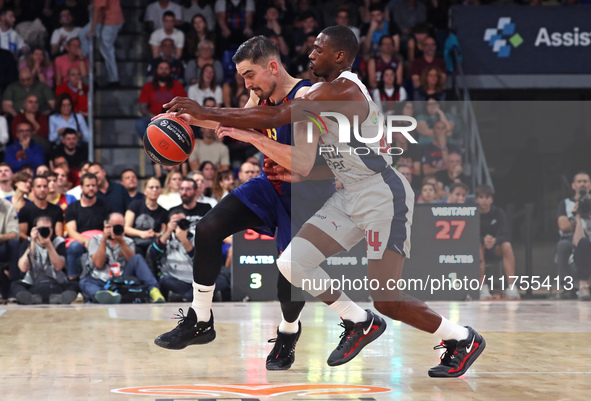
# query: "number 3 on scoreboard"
{"points": [[446, 226], [256, 281]]}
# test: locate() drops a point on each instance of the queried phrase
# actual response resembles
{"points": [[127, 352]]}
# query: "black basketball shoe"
{"points": [[282, 356], [187, 332], [355, 337], [458, 355]]}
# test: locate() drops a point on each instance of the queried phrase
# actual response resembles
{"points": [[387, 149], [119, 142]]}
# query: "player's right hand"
{"points": [[280, 173]]}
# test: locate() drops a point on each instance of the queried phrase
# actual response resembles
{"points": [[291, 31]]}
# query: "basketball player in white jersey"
{"points": [[376, 202]]}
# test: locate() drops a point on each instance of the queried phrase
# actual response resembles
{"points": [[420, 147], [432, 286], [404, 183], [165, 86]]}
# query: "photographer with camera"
{"points": [[43, 258], [193, 210], [565, 248], [110, 255], [173, 252]]}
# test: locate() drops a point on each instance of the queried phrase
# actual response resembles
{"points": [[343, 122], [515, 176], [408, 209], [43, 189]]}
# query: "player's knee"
{"points": [[300, 261], [284, 263]]}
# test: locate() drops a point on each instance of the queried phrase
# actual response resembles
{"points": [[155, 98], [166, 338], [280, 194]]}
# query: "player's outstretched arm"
{"points": [[259, 117]]}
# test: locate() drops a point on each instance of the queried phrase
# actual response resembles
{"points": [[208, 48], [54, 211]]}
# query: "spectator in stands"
{"points": [[410, 156], [273, 29], [210, 149], [28, 168], [22, 188], [56, 193], [378, 26], [426, 122], [202, 8], [8, 69], [112, 193], [232, 90], [384, 58], [9, 39], [16, 93], [430, 179], [76, 192], [388, 91], [61, 35], [173, 252], [73, 58], [197, 176], [171, 196], [40, 206], [38, 121], [204, 57], [130, 183], [235, 19], [453, 172], [83, 219], [428, 193], [77, 91], [415, 43], [428, 59], [156, 10], [43, 260], [105, 25], [168, 31], [208, 170], [247, 171], [206, 87], [436, 154], [64, 117], [458, 192], [23, 150], [63, 175], [9, 246], [193, 210], [71, 150], [111, 253], [343, 18], [413, 180], [407, 14], [581, 243], [432, 85], [199, 31], [39, 171], [167, 54], [6, 175], [223, 183], [566, 226], [308, 26], [145, 219], [161, 90], [40, 65], [494, 241]]}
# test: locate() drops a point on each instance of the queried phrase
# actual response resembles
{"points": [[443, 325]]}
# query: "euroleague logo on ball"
{"points": [[163, 145], [164, 123]]}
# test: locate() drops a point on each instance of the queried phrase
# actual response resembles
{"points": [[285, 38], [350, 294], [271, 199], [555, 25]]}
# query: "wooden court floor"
{"points": [[536, 350]]}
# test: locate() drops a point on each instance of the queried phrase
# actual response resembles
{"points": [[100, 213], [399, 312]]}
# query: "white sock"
{"points": [[202, 299], [289, 327], [450, 331], [348, 309]]}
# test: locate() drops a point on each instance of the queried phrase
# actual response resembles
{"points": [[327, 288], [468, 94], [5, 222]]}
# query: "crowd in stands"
{"points": [[65, 227]]}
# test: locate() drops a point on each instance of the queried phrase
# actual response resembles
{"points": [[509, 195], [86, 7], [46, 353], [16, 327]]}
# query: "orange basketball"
{"points": [[169, 141]]}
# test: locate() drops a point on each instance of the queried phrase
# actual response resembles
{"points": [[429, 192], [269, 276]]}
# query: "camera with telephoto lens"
{"points": [[118, 229], [183, 224], [584, 208], [43, 231]]}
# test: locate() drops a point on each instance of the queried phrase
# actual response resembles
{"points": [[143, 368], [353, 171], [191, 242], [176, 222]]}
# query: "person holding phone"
{"points": [[43, 259], [112, 254]]}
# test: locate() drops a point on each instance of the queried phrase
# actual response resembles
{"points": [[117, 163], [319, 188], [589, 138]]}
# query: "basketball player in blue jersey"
{"points": [[260, 204], [376, 201]]}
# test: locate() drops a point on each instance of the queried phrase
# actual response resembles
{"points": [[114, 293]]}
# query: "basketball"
{"points": [[169, 141]]}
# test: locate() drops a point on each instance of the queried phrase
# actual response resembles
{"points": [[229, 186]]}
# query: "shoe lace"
{"points": [[182, 319], [450, 350], [344, 335]]}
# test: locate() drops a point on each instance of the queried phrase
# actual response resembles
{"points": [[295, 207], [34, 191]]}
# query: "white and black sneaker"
{"points": [[187, 332]]}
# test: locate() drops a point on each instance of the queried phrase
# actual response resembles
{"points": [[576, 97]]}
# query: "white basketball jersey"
{"points": [[354, 161]]}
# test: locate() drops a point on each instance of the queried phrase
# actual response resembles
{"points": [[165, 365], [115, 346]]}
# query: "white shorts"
{"points": [[378, 209]]}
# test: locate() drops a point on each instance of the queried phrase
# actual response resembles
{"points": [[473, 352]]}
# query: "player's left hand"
{"points": [[280, 173], [184, 105], [239, 134]]}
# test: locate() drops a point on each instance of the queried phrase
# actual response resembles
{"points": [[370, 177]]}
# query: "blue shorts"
{"points": [[274, 209]]}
